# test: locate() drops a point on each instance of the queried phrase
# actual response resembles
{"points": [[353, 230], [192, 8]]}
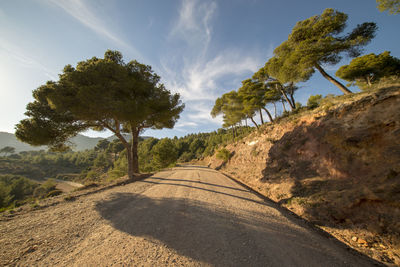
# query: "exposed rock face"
{"points": [[338, 166]]}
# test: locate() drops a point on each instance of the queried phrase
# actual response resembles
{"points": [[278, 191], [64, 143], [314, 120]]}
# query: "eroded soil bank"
{"points": [[337, 166]]}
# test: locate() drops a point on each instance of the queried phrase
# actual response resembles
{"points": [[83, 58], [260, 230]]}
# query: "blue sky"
{"points": [[201, 49]]}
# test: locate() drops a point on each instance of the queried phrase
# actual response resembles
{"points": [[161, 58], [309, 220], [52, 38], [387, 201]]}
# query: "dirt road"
{"points": [[187, 216], [67, 186]]}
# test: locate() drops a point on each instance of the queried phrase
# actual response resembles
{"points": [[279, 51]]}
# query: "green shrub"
{"points": [[115, 174], [285, 114], [224, 154], [54, 193], [164, 153], [14, 190], [102, 161], [40, 192], [314, 101], [121, 164], [186, 156], [208, 151], [67, 176], [298, 105], [94, 174], [35, 204], [44, 189], [49, 185]]}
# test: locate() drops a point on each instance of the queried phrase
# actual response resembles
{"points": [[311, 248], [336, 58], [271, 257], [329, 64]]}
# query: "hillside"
{"points": [[337, 166], [9, 139], [80, 142]]}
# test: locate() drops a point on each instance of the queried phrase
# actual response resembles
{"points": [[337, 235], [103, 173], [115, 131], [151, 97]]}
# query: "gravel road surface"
{"points": [[186, 216]]}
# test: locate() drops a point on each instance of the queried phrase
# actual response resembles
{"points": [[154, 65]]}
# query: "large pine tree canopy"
{"points": [[99, 94], [315, 42]]}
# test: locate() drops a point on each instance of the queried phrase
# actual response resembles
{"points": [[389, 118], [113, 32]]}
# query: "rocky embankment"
{"points": [[337, 166]]}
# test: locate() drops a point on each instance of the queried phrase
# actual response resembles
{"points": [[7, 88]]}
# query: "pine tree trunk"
{"points": [[285, 96], [130, 162], [283, 104], [368, 80], [129, 155], [269, 115], [261, 117], [274, 109], [291, 94], [254, 122], [332, 80], [134, 149], [292, 99]]}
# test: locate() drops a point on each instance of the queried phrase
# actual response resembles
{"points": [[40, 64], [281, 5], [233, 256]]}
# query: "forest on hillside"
{"points": [[27, 176]]}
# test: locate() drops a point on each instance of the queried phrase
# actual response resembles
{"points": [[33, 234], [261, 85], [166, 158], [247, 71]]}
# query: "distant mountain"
{"points": [[112, 137], [9, 139], [81, 142]]}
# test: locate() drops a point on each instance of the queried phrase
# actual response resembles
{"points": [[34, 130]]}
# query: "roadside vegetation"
{"points": [[17, 190]]}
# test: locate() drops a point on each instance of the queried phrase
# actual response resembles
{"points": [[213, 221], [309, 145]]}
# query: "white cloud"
{"points": [[193, 24], [201, 79], [200, 112], [182, 124], [331, 67], [193, 71], [81, 11]]}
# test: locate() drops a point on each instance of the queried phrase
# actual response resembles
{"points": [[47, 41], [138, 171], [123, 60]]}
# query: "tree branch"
{"points": [[332, 80], [107, 127]]}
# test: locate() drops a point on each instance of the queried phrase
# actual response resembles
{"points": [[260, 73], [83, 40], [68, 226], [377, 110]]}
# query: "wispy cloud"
{"points": [[193, 71], [200, 111], [203, 79], [186, 124], [331, 67], [193, 24], [8, 49], [85, 14], [197, 117]]}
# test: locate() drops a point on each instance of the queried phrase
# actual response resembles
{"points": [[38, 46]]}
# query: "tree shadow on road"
{"points": [[213, 235], [164, 180]]}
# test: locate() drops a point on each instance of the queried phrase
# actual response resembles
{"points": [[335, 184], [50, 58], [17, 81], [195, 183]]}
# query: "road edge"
{"points": [[293, 216]]}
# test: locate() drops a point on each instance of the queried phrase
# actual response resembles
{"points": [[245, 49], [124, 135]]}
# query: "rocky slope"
{"points": [[338, 166]]}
